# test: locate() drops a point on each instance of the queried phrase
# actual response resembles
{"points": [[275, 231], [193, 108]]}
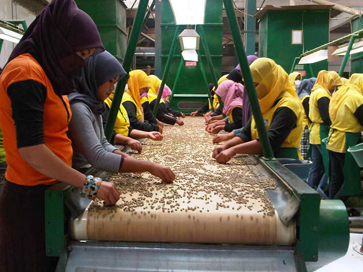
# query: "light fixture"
{"points": [[356, 48], [189, 39], [190, 55], [314, 57], [10, 35], [188, 12]]}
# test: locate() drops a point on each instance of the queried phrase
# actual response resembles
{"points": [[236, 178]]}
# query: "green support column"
{"points": [[130, 51], [250, 27], [201, 66], [294, 64], [265, 143], [167, 66], [347, 54], [176, 78], [311, 69]]}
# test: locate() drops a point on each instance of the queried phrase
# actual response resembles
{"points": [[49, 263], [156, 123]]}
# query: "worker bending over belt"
{"points": [[208, 106], [138, 86], [95, 83], [346, 114], [281, 111]]}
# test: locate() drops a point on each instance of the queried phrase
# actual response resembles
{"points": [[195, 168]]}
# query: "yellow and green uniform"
{"points": [[290, 147], [128, 98], [122, 122], [306, 121]]}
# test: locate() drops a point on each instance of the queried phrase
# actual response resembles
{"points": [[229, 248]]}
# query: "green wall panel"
{"points": [[276, 36], [357, 59], [191, 80], [110, 18]]}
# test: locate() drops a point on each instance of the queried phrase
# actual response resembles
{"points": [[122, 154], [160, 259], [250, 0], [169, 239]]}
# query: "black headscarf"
{"points": [[235, 76], [60, 30], [98, 70], [211, 86]]}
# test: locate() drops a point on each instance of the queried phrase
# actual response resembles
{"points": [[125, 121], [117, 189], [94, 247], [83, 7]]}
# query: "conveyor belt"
{"points": [[208, 202]]}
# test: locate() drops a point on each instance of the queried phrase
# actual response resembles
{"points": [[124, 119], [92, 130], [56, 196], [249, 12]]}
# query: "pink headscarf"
{"points": [[232, 94], [166, 91]]}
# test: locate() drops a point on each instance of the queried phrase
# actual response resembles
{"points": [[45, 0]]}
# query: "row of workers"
{"points": [[52, 90], [297, 114]]}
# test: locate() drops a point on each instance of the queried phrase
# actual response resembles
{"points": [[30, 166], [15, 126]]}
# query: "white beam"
{"points": [[341, 19]]}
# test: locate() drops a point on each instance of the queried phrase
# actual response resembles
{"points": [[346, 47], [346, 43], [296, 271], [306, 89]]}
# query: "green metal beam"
{"points": [[265, 143], [294, 64], [250, 26], [335, 42], [201, 66], [167, 66], [130, 51], [347, 54]]}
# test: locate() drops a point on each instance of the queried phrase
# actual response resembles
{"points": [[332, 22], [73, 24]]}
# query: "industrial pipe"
{"points": [[339, 7]]}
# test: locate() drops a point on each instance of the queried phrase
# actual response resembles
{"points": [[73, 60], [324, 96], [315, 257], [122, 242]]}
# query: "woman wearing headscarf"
{"points": [[295, 79], [162, 115], [34, 119], [90, 146], [320, 97], [231, 94], [138, 87], [281, 110], [166, 98], [304, 91], [346, 113]]}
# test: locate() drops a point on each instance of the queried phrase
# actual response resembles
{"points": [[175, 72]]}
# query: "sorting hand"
{"points": [[179, 122], [194, 113], [163, 172], [135, 145], [108, 193], [225, 156], [216, 151], [156, 136], [182, 115], [160, 124]]}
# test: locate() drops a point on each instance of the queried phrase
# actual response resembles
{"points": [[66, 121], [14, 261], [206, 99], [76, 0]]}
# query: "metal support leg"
{"points": [[347, 54], [176, 78], [202, 70], [130, 51], [294, 64], [166, 69], [265, 143]]}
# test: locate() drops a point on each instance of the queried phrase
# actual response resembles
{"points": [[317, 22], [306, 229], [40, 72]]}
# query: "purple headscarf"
{"points": [[246, 110], [60, 30], [231, 94]]}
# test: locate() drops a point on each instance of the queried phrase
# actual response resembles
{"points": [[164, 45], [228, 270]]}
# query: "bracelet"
{"points": [[90, 187]]}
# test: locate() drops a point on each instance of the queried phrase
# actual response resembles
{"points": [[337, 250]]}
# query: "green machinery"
{"points": [[289, 31], [110, 18], [357, 59], [322, 228]]}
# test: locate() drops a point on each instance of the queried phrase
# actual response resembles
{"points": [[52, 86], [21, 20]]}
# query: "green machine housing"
{"points": [[357, 59], [276, 26], [110, 18], [190, 91]]}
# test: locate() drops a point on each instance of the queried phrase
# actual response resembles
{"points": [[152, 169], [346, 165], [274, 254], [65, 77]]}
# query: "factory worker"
{"points": [[208, 106], [295, 79], [90, 146], [138, 86], [122, 130], [34, 119], [166, 97], [281, 111], [216, 113], [163, 113], [231, 94], [320, 96], [304, 91], [346, 113], [344, 80]]}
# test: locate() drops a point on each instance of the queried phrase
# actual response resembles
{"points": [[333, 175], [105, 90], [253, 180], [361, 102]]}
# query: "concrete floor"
{"points": [[352, 261]]}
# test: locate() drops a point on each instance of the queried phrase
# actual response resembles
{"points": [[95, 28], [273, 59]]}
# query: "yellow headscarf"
{"points": [[138, 79], [326, 80], [272, 81], [155, 83], [344, 80], [355, 84], [293, 76], [222, 78]]}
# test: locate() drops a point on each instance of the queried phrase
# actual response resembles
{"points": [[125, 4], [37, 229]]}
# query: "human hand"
{"points": [[162, 172], [179, 122], [194, 113], [135, 145], [225, 156], [216, 151], [182, 115], [155, 136], [108, 193], [160, 124], [216, 129], [160, 129], [220, 138]]}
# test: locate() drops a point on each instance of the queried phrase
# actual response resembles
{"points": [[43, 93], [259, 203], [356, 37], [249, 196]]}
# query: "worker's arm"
{"points": [[251, 147], [136, 124], [237, 118], [323, 106], [153, 135]]}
